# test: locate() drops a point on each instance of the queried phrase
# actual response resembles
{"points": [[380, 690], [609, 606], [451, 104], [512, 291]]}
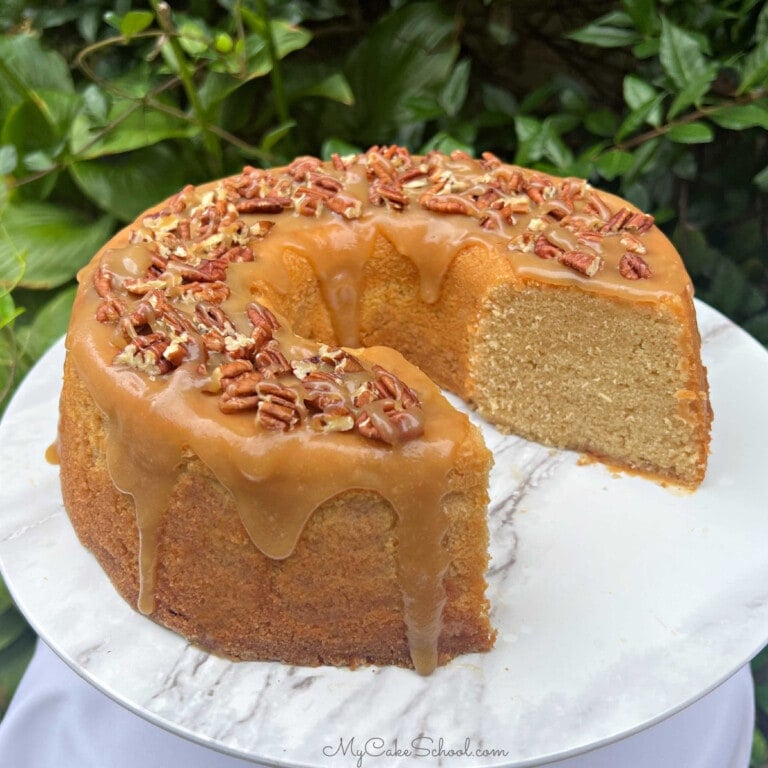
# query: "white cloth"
{"points": [[57, 720]]}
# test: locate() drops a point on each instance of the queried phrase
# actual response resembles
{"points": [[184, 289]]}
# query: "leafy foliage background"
{"points": [[108, 107]]}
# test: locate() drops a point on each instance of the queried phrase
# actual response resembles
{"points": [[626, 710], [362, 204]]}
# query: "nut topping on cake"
{"points": [[176, 309], [634, 267]]}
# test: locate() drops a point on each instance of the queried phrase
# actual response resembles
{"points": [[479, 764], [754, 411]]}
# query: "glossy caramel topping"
{"points": [[187, 358]]}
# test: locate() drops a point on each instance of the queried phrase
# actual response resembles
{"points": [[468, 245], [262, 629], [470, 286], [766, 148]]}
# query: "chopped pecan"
{"points": [[595, 204], [390, 424], [544, 249], [640, 222], [634, 267], [389, 386], [448, 204], [271, 204], [323, 390], [271, 362], [209, 292], [210, 316], [586, 263], [489, 161], [346, 205], [633, 243], [617, 221], [110, 310], [301, 167], [238, 404], [387, 194], [263, 321], [279, 408], [102, 281]]}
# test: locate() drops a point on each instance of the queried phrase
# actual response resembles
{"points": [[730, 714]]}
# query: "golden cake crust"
{"points": [[560, 314], [218, 590]]}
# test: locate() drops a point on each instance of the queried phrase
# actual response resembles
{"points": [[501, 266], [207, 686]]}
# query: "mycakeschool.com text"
{"points": [[361, 751]]}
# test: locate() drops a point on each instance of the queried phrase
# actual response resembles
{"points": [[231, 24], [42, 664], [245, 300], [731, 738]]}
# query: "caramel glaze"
{"points": [[279, 478]]}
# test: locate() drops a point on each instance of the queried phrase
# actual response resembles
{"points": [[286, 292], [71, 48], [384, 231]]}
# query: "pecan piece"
{"points": [[634, 267], [544, 249], [490, 161], [323, 390], [387, 194], [102, 281], [617, 221], [209, 292], [263, 321], [448, 204], [109, 310], [271, 204], [586, 263], [389, 386], [390, 424], [280, 407], [346, 205], [271, 362]]}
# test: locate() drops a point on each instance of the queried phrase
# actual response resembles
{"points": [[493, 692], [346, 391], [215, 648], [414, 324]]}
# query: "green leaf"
{"points": [[13, 261], [738, 118], [289, 37], [275, 135], [95, 103], [553, 146], [761, 28], [13, 662], [693, 91], [645, 113], [194, 36], [47, 325], [759, 750], [601, 122], [681, 55], [691, 133], [57, 241], [26, 67], [38, 161], [643, 14], [530, 145], [614, 30], [338, 146], [9, 157], [126, 184], [8, 313], [455, 92], [498, 100], [130, 125], [754, 69], [12, 627], [646, 49], [760, 180], [134, 22], [638, 94], [444, 142], [41, 124], [614, 163], [408, 54], [217, 85], [5, 596], [113, 19], [334, 87]]}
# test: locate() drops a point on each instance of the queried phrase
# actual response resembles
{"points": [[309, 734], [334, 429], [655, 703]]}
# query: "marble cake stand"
{"points": [[617, 603]]}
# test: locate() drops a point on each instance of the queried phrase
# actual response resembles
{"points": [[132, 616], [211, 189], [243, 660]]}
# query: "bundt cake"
{"points": [[256, 468]]}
